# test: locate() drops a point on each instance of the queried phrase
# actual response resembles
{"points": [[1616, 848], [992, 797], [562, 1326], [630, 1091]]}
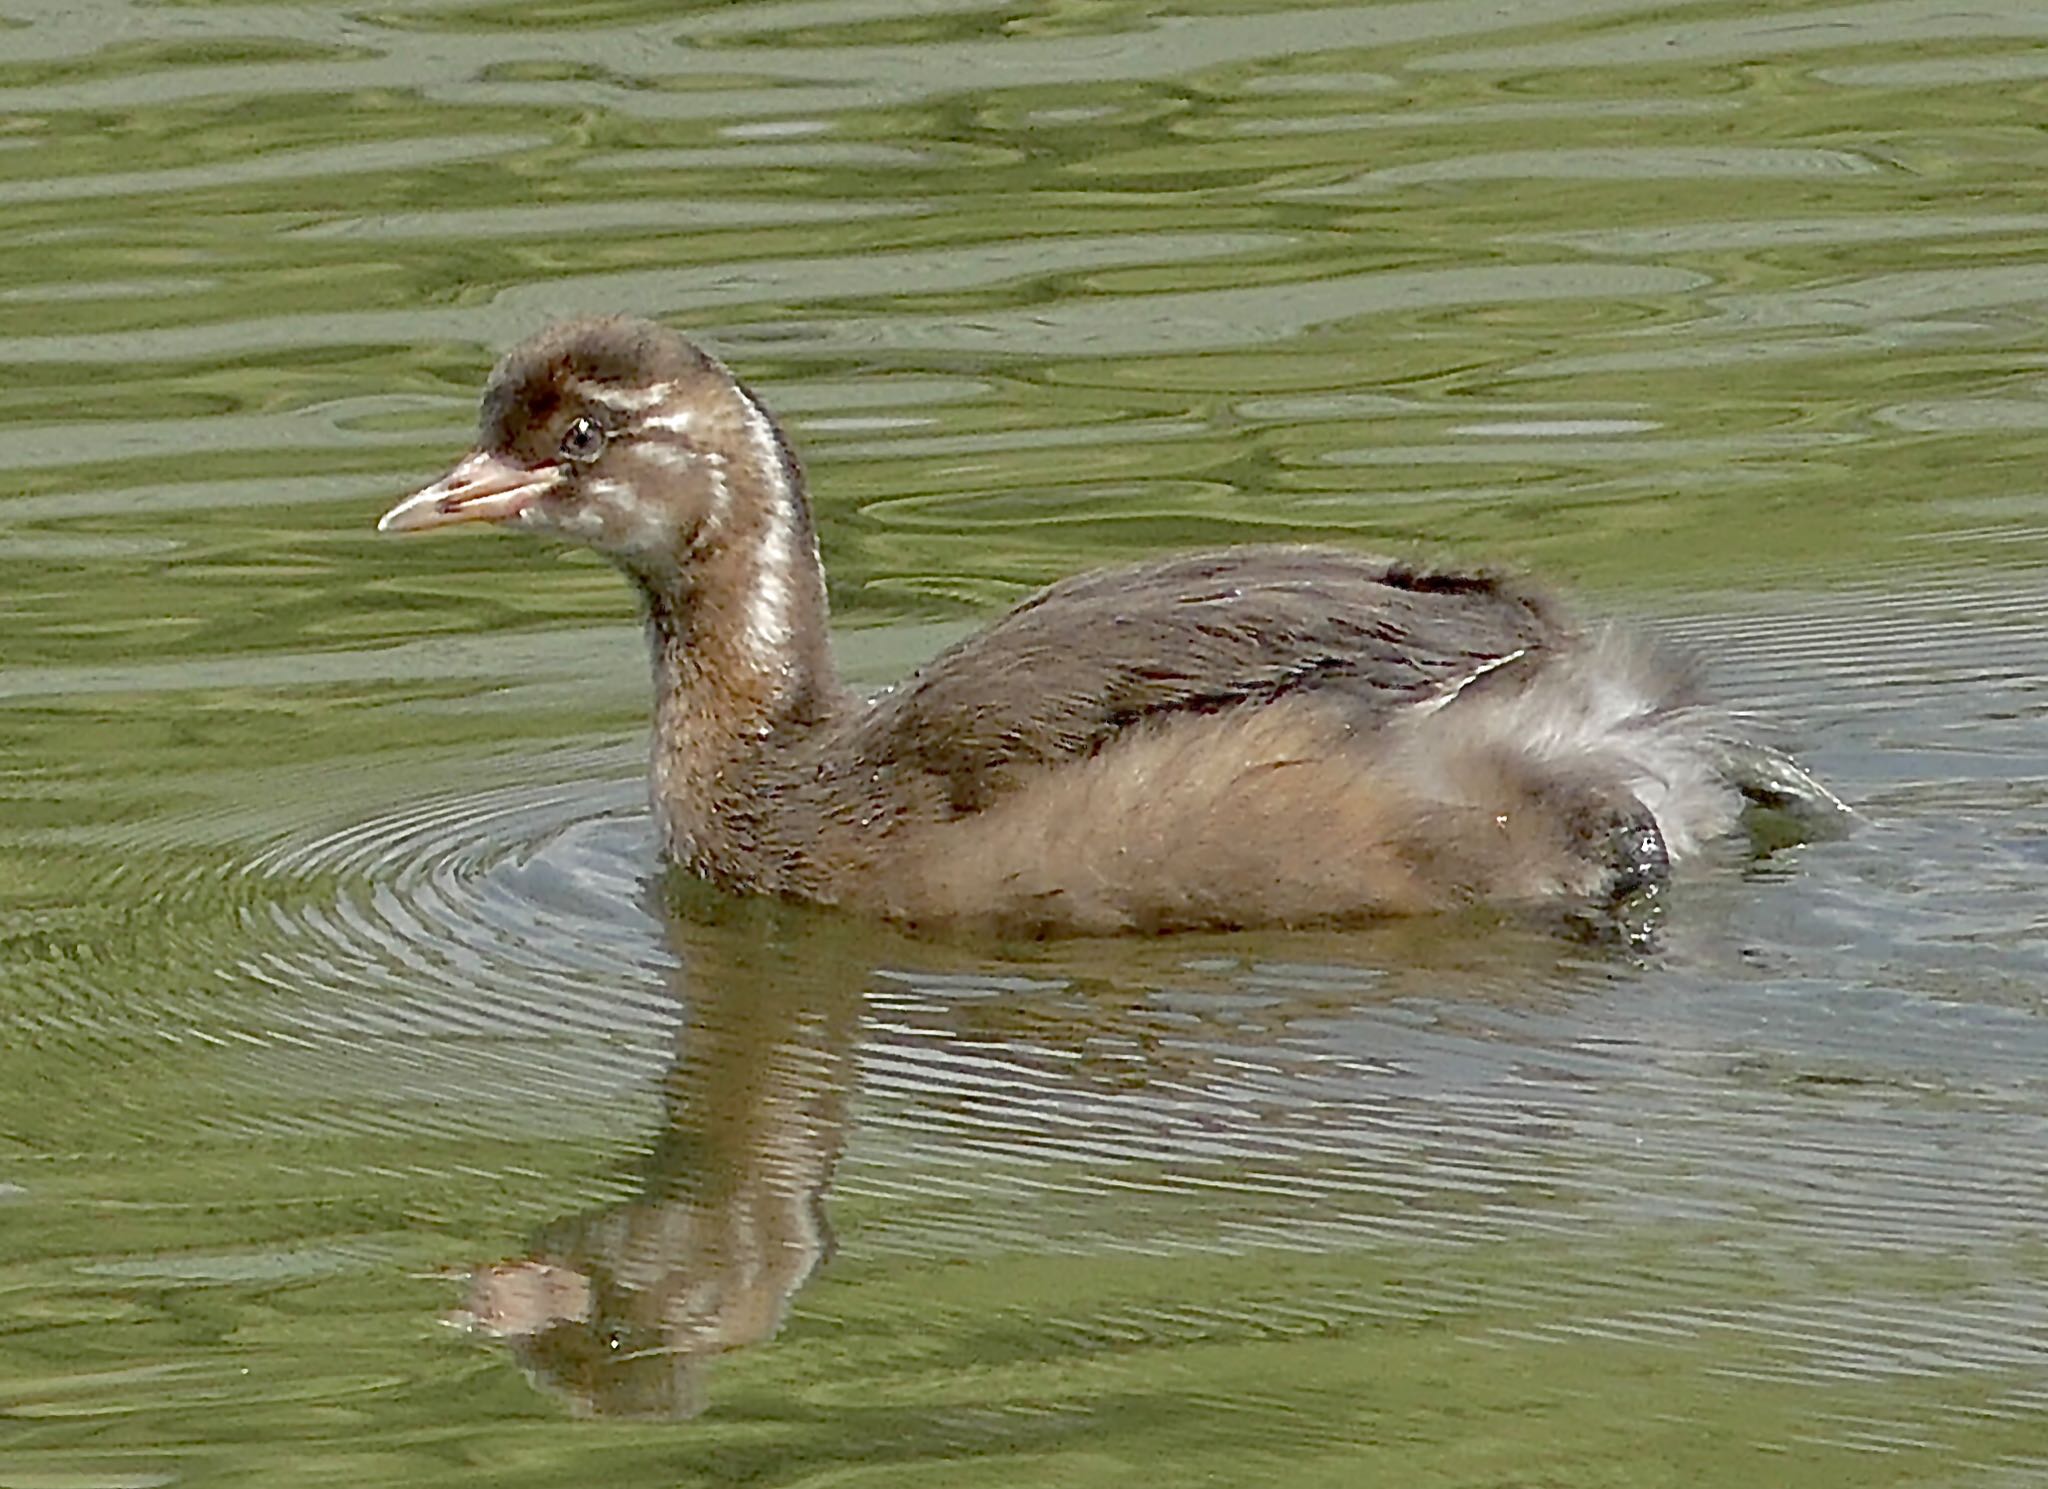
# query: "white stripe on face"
{"points": [[668, 457], [675, 421], [621, 400]]}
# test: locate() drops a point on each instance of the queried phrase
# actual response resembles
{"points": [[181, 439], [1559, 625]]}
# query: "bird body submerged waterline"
{"points": [[1255, 736]]}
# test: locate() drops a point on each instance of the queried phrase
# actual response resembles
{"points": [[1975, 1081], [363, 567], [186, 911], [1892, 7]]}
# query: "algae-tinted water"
{"points": [[333, 968]]}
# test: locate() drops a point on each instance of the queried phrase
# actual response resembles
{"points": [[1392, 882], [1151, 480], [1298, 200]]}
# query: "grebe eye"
{"points": [[583, 440]]}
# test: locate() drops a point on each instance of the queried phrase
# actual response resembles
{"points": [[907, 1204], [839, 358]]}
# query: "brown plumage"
{"points": [[1262, 735]]}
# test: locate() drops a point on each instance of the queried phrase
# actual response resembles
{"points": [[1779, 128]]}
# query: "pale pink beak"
{"points": [[482, 488]]}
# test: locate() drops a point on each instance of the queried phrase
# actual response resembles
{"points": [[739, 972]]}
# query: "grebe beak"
{"points": [[482, 488]]}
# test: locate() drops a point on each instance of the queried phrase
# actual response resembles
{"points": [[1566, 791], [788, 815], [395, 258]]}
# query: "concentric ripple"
{"points": [[495, 942], [535, 887]]}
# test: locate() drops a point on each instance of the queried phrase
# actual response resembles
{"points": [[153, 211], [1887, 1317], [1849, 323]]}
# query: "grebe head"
{"points": [[621, 435]]}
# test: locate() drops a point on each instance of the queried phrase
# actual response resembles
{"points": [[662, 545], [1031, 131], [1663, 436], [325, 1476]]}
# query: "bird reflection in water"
{"points": [[619, 1309]]}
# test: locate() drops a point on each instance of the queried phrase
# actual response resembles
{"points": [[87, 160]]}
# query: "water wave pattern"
{"points": [[765, 174], [329, 949]]}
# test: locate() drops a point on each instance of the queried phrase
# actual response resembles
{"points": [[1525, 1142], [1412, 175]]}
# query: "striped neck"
{"points": [[739, 639]]}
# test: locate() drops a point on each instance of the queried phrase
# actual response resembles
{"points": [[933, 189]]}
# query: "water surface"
{"points": [[370, 1113]]}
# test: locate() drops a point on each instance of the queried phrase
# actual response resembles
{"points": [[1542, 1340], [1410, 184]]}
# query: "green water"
{"points": [[338, 997]]}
